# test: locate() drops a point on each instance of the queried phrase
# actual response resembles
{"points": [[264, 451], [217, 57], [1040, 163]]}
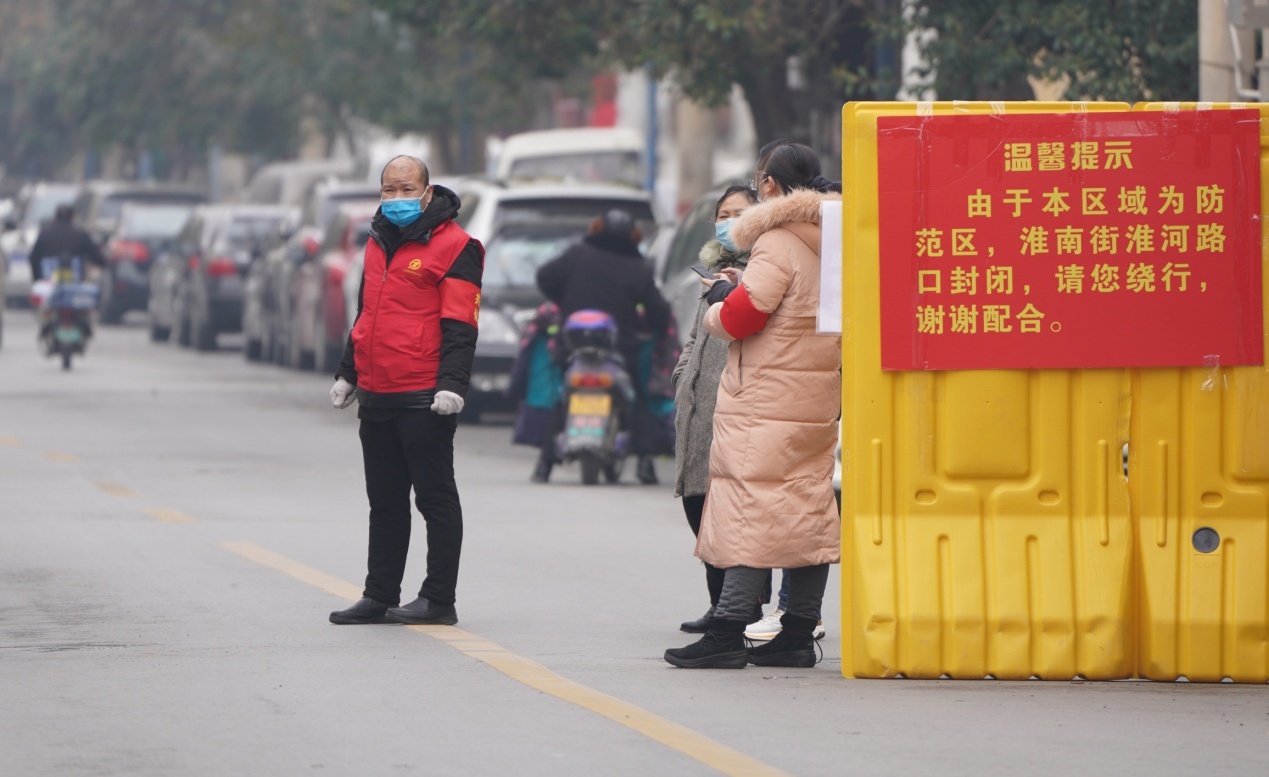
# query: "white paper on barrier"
{"points": [[828, 319]]}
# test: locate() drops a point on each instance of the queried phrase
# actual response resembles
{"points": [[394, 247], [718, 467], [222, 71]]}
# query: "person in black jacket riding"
{"points": [[408, 363], [606, 271], [60, 237]]}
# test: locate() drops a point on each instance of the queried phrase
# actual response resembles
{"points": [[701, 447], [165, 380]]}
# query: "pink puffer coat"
{"points": [[770, 502]]}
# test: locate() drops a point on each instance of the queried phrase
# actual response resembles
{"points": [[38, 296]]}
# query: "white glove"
{"points": [[342, 394], [447, 403]]}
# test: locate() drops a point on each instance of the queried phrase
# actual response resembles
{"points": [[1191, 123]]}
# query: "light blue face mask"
{"points": [[722, 231], [402, 211]]}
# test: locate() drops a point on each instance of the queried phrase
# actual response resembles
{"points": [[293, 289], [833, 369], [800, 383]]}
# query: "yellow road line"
{"points": [[168, 516], [534, 675], [59, 457], [11, 442], [114, 489]]}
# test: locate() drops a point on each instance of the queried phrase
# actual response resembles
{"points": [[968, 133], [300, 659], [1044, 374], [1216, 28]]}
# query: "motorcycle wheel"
{"points": [[66, 360], [590, 469]]}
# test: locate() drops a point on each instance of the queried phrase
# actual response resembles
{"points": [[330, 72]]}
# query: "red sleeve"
{"points": [[739, 316], [460, 300]]}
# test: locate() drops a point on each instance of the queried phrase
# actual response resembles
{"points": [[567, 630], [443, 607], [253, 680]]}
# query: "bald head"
{"points": [[405, 166]]}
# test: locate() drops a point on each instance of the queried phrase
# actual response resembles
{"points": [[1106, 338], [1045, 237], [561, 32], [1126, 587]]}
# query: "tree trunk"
{"points": [[769, 99]]}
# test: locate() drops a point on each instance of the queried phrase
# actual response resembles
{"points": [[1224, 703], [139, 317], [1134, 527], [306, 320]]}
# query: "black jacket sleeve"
{"points": [[347, 366], [719, 292], [552, 278], [460, 304], [36, 257], [90, 251]]}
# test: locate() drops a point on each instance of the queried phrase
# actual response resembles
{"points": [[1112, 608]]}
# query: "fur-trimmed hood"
{"points": [[800, 205], [714, 257]]}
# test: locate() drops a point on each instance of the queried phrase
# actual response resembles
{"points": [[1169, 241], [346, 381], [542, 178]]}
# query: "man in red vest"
{"points": [[407, 363]]}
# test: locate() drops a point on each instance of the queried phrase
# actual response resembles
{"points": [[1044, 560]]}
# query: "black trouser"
{"points": [[741, 587], [694, 508], [414, 449]]}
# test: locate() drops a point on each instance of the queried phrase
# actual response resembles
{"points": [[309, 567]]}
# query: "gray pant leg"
{"points": [[742, 587], [806, 590]]}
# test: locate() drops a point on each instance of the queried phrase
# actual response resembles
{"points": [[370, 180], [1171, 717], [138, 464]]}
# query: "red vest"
{"points": [[397, 338]]}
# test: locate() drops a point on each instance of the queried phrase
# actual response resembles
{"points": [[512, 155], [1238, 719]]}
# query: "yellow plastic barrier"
{"points": [[1199, 478], [986, 529]]}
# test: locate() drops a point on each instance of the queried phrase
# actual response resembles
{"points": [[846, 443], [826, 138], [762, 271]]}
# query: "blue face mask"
{"points": [[722, 231], [403, 211]]}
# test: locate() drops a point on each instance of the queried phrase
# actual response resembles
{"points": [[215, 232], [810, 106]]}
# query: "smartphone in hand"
{"points": [[701, 271]]}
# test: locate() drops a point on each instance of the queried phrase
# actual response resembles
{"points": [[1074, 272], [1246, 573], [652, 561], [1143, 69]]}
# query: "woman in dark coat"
{"points": [[696, 389]]}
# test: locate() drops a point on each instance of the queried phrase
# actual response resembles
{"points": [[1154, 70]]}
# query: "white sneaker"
{"points": [[766, 628], [818, 633]]}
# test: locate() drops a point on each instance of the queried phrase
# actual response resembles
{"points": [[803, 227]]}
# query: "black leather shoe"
{"points": [[698, 626], [647, 471], [422, 611], [366, 610], [542, 472]]}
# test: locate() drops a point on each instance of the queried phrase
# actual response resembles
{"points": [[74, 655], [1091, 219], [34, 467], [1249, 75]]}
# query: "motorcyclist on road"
{"points": [[606, 271], [60, 237]]}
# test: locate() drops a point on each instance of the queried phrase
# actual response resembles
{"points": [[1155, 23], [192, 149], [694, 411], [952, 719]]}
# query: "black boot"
{"points": [[793, 646], [722, 647], [647, 471], [366, 610], [700, 625], [542, 472]]}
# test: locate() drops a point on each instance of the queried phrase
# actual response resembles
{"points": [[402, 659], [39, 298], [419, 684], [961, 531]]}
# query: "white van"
{"points": [[588, 155]]}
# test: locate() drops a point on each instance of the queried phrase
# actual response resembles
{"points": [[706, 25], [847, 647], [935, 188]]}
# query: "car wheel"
{"points": [[590, 469], [111, 312], [159, 334], [252, 350], [203, 335]]}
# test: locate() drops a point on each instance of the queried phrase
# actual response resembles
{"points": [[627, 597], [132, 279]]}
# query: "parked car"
{"points": [[99, 203], [144, 231], [266, 305], [287, 183], [319, 326], [327, 196], [196, 287], [33, 207]]}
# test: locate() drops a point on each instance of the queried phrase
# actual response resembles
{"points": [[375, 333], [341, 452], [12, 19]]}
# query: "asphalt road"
{"points": [[174, 529]]}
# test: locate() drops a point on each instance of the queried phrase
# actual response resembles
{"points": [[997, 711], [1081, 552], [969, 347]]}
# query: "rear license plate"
{"points": [[68, 335], [590, 404]]}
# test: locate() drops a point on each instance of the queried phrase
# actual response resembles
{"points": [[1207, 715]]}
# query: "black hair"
{"points": [[794, 166], [64, 213], [750, 195], [424, 175]]}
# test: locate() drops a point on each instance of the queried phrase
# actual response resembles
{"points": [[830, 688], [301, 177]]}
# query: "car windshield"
{"points": [[515, 211], [157, 221], [513, 257], [247, 231], [330, 208], [616, 166], [113, 203], [40, 207]]}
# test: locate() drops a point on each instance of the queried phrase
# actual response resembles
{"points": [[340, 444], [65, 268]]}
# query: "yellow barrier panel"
{"points": [[985, 530], [1198, 473]]}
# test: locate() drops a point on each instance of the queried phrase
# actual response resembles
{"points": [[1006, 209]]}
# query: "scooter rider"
{"points": [[606, 271], [408, 363], [58, 239]]}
